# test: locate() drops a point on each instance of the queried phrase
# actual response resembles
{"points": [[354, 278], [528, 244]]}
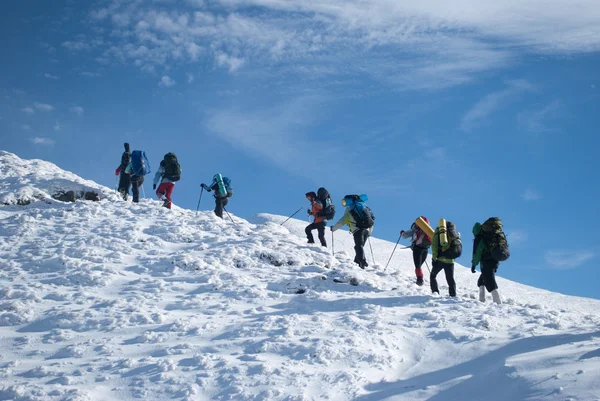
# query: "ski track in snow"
{"points": [[118, 301]]}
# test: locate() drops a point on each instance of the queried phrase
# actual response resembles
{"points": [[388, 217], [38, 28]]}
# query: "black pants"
{"points": [[448, 268], [220, 204], [136, 183], [124, 184], [488, 275], [360, 238], [419, 257], [320, 227]]}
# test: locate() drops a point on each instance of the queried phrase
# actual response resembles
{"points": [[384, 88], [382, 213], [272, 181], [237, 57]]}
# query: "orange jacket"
{"points": [[317, 208]]}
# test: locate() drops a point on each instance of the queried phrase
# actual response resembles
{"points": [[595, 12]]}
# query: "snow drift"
{"points": [[112, 300]]}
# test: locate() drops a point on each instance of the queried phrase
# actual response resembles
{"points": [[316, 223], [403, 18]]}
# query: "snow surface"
{"points": [[112, 300]]}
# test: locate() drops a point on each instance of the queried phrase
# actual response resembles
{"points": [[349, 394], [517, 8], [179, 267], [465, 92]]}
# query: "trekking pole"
{"points": [[332, 244], [292, 215], [143, 191], [117, 184], [426, 264], [390, 259], [230, 216], [372, 255], [198, 207]]}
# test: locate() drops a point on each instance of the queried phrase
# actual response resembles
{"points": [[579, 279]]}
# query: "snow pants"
{"points": [[164, 191], [320, 227], [124, 184], [448, 268], [220, 203], [136, 183], [360, 238], [419, 257], [488, 275]]}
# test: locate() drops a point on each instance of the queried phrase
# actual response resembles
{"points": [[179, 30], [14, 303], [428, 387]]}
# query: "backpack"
{"points": [[171, 166], [227, 183], [140, 165], [362, 214], [421, 239], [494, 239], [328, 211], [454, 248]]}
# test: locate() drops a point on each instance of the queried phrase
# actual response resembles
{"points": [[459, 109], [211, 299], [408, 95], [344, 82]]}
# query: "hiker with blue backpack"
{"points": [[168, 174], [138, 167], [124, 179], [322, 209], [360, 219], [222, 187], [490, 247]]}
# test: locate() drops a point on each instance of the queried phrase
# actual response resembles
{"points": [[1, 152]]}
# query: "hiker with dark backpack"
{"points": [[420, 243], [125, 179], [490, 247], [360, 220], [319, 222], [168, 174], [138, 167], [446, 246], [222, 187]]}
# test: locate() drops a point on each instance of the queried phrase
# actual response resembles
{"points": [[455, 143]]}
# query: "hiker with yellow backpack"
{"points": [[446, 246]]}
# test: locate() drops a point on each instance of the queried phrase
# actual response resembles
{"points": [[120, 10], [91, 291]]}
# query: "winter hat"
{"points": [[126, 147], [311, 195]]}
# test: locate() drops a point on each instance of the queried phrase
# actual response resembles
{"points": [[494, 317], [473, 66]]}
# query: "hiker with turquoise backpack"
{"points": [[222, 187], [360, 219], [446, 246], [168, 174], [490, 247], [138, 167]]}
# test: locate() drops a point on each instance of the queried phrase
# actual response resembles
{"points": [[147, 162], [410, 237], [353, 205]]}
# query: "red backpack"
{"points": [[421, 239]]}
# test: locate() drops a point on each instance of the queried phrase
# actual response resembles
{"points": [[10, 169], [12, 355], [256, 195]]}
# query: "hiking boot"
{"points": [[419, 281], [482, 293]]}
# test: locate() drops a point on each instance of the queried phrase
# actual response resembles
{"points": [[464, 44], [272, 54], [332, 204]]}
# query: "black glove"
{"points": [[473, 269], [154, 186], [309, 212], [331, 228]]}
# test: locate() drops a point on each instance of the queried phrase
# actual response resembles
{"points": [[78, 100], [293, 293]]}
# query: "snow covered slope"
{"points": [[112, 300]]}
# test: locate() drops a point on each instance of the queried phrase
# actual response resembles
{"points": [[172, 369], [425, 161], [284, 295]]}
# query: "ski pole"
{"points": [[426, 264], [292, 215], [198, 207], [372, 255], [390, 259], [230, 216]]}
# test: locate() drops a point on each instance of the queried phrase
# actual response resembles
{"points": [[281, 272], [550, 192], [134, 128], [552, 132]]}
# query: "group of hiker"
{"points": [[490, 246], [135, 165]]}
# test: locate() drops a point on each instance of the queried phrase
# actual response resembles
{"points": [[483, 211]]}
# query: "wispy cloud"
{"points": [[516, 237], [190, 78], [28, 110], [57, 127], [538, 120], [26, 127], [531, 195], [43, 107], [89, 74], [559, 259], [50, 76], [492, 102], [42, 141], [77, 110], [428, 44], [166, 82]]}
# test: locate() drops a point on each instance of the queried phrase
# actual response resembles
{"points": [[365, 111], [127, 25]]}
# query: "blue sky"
{"points": [[464, 110]]}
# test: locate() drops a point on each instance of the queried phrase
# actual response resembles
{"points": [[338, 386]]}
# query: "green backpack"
{"points": [[494, 239]]}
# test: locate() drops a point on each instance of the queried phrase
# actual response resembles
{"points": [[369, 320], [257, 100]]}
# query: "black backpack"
{"points": [[125, 159], [362, 214], [454, 248], [328, 211], [172, 168], [494, 239]]}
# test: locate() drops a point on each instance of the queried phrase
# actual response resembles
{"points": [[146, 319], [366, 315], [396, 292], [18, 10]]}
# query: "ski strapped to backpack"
{"points": [[362, 214], [172, 167], [453, 249], [328, 211], [140, 165], [495, 239]]}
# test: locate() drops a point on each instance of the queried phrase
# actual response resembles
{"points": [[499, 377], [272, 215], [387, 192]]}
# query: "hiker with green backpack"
{"points": [[444, 251], [168, 174], [490, 247]]}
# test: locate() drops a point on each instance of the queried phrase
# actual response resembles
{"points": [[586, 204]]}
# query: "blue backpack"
{"points": [[140, 165], [362, 214]]}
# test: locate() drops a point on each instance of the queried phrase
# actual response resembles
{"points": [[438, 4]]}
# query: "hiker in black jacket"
{"points": [[125, 179]]}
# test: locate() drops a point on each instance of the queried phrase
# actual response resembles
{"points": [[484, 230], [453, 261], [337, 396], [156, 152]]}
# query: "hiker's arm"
{"points": [[478, 247], [159, 174], [341, 222]]}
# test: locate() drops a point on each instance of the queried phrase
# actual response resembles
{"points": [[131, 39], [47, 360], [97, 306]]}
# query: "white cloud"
{"points": [[166, 82], [50, 76], [42, 141], [43, 107], [516, 237], [27, 110], [26, 127], [537, 120], [531, 195], [77, 110], [426, 44], [89, 74], [491, 103], [559, 259]]}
